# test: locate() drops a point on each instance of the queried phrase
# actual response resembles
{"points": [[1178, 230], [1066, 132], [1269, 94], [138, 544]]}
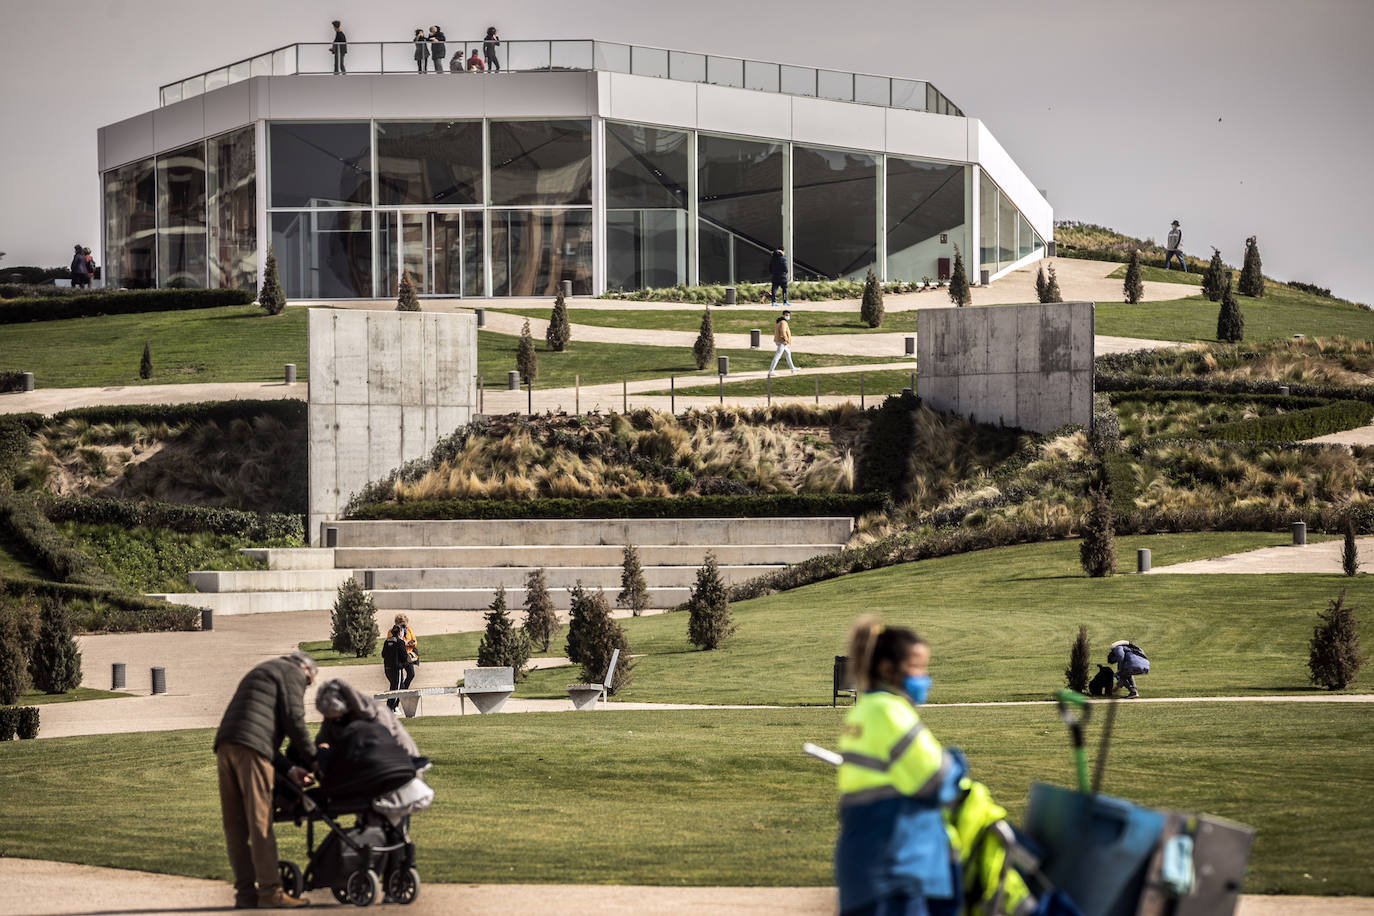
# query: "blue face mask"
{"points": [[917, 687]]}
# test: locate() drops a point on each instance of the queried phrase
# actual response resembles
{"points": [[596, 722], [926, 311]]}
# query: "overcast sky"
{"points": [[1236, 117]]}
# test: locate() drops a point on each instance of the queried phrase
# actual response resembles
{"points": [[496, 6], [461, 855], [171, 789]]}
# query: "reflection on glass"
{"points": [[532, 251], [1024, 237], [541, 162], [1006, 232], [740, 186], [181, 218], [834, 213], [441, 250], [324, 253], [232, 211], [320, 164], [429, 163], [645, 248], [131, 226], [925, 217], [987, 222], [646, 199]]}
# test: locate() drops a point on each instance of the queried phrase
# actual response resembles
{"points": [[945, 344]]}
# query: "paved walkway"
{"points": [[1310, 558], [38, 888], [1361, 435]]}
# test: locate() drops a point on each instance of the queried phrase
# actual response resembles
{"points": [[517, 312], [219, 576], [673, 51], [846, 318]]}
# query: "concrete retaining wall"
{"points": [[577, 532], [1029, 366], [550, 556], [489, 577], [479, 599], [384, 388]]}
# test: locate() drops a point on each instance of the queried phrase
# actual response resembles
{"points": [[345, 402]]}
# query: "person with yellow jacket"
{"points": [[782, 336]]}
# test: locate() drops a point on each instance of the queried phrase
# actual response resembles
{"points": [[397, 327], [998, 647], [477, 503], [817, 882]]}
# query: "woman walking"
{"points": [[489, 46]]}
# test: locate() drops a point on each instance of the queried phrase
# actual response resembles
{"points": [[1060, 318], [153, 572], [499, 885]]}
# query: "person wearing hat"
{"points": [[1174, 248]]}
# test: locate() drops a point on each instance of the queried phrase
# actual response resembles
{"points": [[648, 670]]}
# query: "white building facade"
{"points": [[614, 167]]}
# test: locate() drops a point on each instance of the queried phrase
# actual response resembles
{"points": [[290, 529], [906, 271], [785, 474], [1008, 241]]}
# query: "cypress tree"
{"points": [[871, 308], [593, 636], [1333, 655], [1052, 293], [1040, 286], [353, 621], [959, 292], [704, 350], [55, 663], [1230, 322], [145, 365], [559, 331], [526, 360], [1076, 675], [1214, 277], [1097, 550], [634, 592], [271, 298], [407, 301], [1350, 555], [541, 624], [1132, 287], [1251, 272], [19, 629], [502, 645], [709, 622]]}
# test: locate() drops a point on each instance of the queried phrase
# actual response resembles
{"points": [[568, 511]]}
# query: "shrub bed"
{"points": [[11, 380], [829, 504], [1293, 427], [289, 411], [105, 610], [23, 524], [16, 439], [800, 291], [18, 721], [250, 526], [1118, 381], [56, 308]]}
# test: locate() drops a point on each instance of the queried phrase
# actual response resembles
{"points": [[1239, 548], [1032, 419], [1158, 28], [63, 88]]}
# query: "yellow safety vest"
{"points": [[978, 831], [888, 752]]}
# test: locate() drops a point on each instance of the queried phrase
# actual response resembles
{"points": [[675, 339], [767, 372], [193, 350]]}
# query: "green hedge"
{"points": [[1105, 380], [22, 523], [828, 504], [252, 526], [289, 411], [1295, 426], [16, 441], [109, 610], [11, 380], [56, 308], [1165, 396], [18, 720]]}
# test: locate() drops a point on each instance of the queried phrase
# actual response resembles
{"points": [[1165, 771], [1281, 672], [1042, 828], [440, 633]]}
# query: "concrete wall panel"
{"points": [[414, 96], [128, 141], [828, 123], [538, 95], [1028, 366], [179, 124], [228, 108], [384, 361], [319, 97], [723, 110], [647, 100], [925, 135]]}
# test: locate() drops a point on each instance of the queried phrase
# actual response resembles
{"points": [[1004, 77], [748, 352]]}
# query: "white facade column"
{"points": [[260, 160], [599, 237], [693, 212], [786, 242], [882, 219], [486, 208], [974, 212]]}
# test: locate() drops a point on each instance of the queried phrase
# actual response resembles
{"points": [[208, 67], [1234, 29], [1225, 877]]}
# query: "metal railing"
{"points": [[581, 54]]}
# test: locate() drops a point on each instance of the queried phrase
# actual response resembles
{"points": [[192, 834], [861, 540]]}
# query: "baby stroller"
{"points": [[356, 863]]}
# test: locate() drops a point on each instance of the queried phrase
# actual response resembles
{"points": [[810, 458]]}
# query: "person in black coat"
{"points": [[777, 271], [339, 48], [395, 664], [437, 48], [421, 50], [489, 45], [81, 268]]}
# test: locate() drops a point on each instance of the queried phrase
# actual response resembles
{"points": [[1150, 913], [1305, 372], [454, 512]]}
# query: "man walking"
{"points": [[1174, 248], [268, 705], [782, 336], [777, 272]]}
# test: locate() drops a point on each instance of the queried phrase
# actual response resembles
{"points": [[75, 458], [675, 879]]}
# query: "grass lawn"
{"points": [[1200, 630], [731, 320], [14, 565], [876, 385], [1159, 275], [600, 363], [34, 698], [1281, 313], [715, 797]]}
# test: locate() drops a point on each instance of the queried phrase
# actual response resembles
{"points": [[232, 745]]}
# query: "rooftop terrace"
{"points": [[582, 55]]}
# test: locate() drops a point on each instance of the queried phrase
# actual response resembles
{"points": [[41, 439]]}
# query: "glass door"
{"points": [[442, 250]]}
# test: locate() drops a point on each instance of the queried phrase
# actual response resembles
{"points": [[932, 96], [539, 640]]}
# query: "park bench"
{"points": [[488, 688], [410, 699], [584, 696], [842, 682]]}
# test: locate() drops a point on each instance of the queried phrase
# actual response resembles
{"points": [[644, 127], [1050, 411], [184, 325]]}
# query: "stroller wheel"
{"points": [[292, 881], [362, 887], [403, 885], [339, 894]]}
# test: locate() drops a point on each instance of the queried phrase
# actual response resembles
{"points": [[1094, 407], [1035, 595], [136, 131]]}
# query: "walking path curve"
{"points": [[1310, 558]]}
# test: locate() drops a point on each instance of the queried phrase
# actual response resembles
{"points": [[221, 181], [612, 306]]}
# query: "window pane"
{"points": [[762, 76], [909, 94], [834, 213], [1025, 239], [429, 163], [987, 222], [320, 165], [532, 251], [834, 85], [925, 204], [798, 80], [541, 162], [740, 185], [646, 166], [648, 61], [612, 57], [324, 253], [232, 211], [181, 218], [1006, 232], [645, 248], [725, 71], [689, 67], [131, 226], [874, 90]]}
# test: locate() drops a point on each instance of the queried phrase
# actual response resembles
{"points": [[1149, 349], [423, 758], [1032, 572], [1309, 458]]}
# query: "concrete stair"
{"points": [[458, 564]]}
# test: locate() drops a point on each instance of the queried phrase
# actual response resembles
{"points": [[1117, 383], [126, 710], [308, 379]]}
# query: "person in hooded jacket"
{"points": [[777, 272], [1130, 660], [359, 748]]}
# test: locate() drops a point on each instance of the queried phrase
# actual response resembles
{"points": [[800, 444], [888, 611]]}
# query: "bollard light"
{"points": [[159, 680], [910, 345], [117, 676], [1299, 534], [729, 296], [290, 373], [207, 618], [481, 318], [28, 381], [512, 380], [754, 338], [722, 365], [1142, 559]]}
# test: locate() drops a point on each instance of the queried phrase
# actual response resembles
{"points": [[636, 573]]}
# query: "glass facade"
{"points": [[834, 213], [740, 186], [925, 217], [533, 250], [320, 164], [1006, 232], [647, 182], [987, 222], [181, 261], [231, 210], [429, 163], [131, 226], [324, 254], [541, 163], [1006, 235]]}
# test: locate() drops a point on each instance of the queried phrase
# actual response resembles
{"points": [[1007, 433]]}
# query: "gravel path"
{"points": [[1310, 558]]}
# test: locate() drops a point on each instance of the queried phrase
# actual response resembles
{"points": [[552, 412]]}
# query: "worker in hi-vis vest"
{"points": [[908, 812]]}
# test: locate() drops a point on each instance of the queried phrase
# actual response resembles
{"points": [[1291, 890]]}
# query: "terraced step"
{"points": [[231, 603], [707, 532], [563, 555], [476, 599], [291, 557], [269, 580], [489, 577]]}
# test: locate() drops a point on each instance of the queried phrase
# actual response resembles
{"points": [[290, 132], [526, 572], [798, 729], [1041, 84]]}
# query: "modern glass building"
{"points": [[605, 164]]}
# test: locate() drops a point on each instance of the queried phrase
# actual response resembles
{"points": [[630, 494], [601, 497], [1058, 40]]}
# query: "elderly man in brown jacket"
{"points": [[268, 706]]}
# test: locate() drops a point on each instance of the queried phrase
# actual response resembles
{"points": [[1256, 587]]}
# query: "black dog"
{"points": [[1103, 683]]}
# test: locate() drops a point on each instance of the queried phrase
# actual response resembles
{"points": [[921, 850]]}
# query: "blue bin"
{"points": [[1097, 848]]}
